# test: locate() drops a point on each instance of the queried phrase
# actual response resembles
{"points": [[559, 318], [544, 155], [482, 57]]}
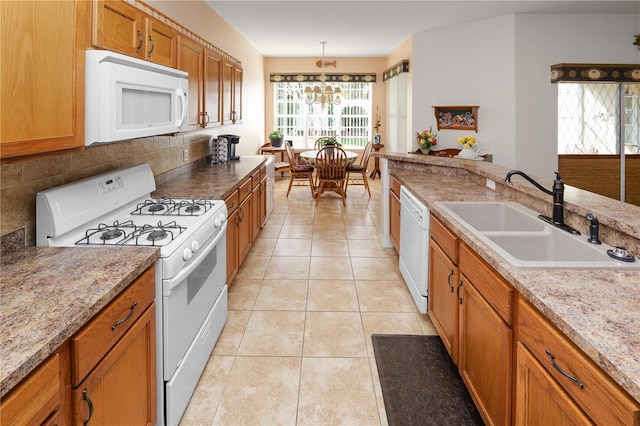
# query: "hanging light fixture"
{"points": [[322, 94]]}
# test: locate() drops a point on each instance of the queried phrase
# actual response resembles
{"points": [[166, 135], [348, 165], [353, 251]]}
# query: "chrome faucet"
{"points": [[557, 218]]}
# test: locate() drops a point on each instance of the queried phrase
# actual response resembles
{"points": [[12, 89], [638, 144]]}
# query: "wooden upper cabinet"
{"points": [[123, 28], [212, 88], [42, 76], [118, 26], [204, 67], [231, 93], [161, 43]]}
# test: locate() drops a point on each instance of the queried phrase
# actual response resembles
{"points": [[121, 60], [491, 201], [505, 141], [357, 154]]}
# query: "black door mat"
{"points": [[420, 384]]}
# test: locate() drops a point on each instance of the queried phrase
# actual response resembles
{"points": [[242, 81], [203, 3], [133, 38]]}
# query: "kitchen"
{"points": [[22, 179]]}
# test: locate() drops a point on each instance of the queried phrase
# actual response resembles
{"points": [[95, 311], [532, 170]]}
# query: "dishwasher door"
{"points": [[414, 247]]}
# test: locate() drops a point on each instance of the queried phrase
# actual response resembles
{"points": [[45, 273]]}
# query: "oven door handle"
{"points": [[195, 261]]}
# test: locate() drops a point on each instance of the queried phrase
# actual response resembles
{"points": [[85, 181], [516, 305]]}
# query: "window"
{"points": [[589, 118], [350, 121]]}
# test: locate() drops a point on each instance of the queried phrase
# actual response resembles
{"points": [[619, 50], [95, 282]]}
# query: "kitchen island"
{"points": [[596, 309]]}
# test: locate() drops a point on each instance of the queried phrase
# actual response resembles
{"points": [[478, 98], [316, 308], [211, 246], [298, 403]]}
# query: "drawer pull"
{"points": [[133, 307], [568, 376], [90, 404], [449, 280]]}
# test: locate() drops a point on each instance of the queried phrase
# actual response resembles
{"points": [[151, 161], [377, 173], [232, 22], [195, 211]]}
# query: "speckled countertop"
{"points": [[212, 182], [598, 310], [48, 293]]}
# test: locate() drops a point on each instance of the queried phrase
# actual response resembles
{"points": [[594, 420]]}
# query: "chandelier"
{"points": [[322, 94]]}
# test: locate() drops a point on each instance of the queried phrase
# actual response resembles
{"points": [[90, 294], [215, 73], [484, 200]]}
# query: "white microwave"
{"points": [[128, 98]]}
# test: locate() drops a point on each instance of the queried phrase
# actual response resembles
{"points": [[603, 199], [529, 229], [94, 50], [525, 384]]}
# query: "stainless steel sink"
{"points": [[525, 241]]}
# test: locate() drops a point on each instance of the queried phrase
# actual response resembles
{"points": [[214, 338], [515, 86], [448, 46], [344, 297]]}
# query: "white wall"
{"points": [[503, 65]]}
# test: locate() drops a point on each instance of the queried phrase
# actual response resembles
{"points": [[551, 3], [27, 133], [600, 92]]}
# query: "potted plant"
{"points": [[328, 141], [276, 138]]}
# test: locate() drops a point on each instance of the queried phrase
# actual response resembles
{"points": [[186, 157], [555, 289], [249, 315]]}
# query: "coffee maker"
{"points": [[232, 141]]}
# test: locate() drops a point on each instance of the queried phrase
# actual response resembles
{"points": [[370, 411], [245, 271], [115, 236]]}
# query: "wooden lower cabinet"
{"points": [[42, 397], [121, 389], [443, 298], [539, 399]]}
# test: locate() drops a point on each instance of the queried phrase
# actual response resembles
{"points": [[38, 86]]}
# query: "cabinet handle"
{"points": [[564, 373], [241, 214], [90, 404], [458, 292], [133, 307], [449, 280], [153, 46], [140, 39]]}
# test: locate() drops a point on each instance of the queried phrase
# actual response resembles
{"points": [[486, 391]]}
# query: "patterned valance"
{"points": [[399, 68], [338, 78], [580, 73]]}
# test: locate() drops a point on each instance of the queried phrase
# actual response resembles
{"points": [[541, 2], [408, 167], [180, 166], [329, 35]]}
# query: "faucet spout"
{"points": [[557, 192]]}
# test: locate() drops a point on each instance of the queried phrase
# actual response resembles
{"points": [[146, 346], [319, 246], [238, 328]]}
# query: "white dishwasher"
{"points": [[414, 247]]}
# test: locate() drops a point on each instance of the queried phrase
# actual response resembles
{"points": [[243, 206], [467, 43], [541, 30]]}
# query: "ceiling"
{"points": [[361, 28]]}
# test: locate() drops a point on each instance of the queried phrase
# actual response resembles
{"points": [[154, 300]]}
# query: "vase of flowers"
{"points": [[426, 139], [468, 150]]}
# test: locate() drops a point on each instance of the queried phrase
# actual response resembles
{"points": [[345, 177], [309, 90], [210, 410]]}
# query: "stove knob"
{"points": [[195, 246], [223, 217], [217, 222], [187, 254]]}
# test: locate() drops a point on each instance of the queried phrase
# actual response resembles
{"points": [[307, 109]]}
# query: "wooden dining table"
{"points": [[310, 156]]}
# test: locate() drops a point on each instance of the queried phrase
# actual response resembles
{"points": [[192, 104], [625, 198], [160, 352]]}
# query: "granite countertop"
{"points": [[212, 181], [49, 293], [597, 309]]}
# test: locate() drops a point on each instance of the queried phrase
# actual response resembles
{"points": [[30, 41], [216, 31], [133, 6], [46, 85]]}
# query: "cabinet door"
{"points": [[232, 246], [227, 92], [122, 387], [485, 356], [42, 76], [212, 84], [236, 112], [161, 43], [120, 27], [255, 212], [263, 201], [539, 398], [244, 228], [190, 59], [394, 220], [443, 299]]}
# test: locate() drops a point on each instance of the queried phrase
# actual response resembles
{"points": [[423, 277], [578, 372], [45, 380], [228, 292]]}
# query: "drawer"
{"points": [[495, 289], [245, 189], [263, 172], [91, 343], [36, 397], [232, 202], [447, 240], [394, 185], [600, 397], [255, 179]]}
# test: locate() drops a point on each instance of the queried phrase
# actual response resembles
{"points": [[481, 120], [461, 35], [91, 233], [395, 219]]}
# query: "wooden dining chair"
{"points": [[331, 172], [360, 170], [299, 172]]}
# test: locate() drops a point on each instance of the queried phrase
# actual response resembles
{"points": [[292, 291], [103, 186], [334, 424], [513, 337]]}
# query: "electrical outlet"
{"points": [[484, 147], [491, 184], [185, 155]]}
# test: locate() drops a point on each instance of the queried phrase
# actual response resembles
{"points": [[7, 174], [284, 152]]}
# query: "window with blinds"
{"points": [[350, 121]]}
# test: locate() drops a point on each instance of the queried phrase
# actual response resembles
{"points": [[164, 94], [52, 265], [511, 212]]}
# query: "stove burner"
{"points": [[156, 207], [192, 208], [111, 234], [157, 235]]}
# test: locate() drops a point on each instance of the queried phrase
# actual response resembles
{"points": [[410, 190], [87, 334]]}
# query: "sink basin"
{"points": [[525, 241], [496, 216]]}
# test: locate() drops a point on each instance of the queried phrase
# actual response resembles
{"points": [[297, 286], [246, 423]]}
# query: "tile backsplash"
{"points": [[20, 181]]}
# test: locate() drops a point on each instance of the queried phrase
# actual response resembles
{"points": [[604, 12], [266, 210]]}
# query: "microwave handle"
{"points": [[183, 100]]}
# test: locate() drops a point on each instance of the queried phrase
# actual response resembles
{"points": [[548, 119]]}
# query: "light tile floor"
{"points": [[296, 348]]}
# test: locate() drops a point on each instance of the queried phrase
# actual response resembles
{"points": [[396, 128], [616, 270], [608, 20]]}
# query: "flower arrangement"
{"points": [[426, 138], [467, 141]]}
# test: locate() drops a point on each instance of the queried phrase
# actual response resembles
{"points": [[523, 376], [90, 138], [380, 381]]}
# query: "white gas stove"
{"points": [[116, 209]]}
